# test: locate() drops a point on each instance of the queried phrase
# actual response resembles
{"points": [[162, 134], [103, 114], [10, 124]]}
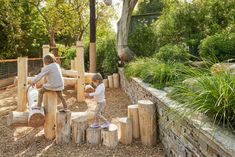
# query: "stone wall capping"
{"points": [[196, 136]]}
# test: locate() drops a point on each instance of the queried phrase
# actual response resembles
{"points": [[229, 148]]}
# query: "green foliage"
{"points": [[107, 59], [220, 46], [214, 96], [142, 41], [149, 6], [173, 53], [69, 54]]}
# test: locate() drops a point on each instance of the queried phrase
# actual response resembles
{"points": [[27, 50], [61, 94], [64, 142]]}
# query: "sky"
{"points": [[117, 5]]}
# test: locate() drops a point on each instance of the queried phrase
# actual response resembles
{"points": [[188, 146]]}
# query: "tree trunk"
{"points": [[124, 53], [92, 48]]}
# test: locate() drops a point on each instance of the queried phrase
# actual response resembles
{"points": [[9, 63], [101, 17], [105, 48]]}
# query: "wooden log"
{"points": [[106, 83], [63, 127], [93, 135], [110, 79], [125, 130], [16, 119], [72, 64], [81, 71], [79, 131], [75, 73], [45, 50], [115, 80], [50, 105], [92, 57], [36, 116], [68, 82], [133, 113], [22, 73], [148, 124], [109, 137]]}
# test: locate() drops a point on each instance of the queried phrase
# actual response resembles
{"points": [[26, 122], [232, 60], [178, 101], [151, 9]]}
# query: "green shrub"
{"points": [[172, 53], [142, 41], [214, 96], [219, 46], [68, 54]]}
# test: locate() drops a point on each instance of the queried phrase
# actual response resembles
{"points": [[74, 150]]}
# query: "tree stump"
{"points": [[50, 104], [93, 135], [79, 131], [125, 130], [110, 80], [36, 116], [109, 136], [106, 83], [148, 124], [17, 119], [115, 80], [63, 127], [133, 113]]}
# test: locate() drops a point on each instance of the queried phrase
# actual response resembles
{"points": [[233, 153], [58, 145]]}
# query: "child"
{"points": [[54, 80], [99, 97]]}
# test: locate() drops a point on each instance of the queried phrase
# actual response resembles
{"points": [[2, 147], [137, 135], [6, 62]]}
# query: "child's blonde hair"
{"points": [[49, 58], [97, 77]]}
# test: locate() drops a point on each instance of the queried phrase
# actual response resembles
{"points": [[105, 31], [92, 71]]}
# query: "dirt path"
{"points": [[25, 141]]}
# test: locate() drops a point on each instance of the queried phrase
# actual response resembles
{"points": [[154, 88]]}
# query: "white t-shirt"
{"points": [[53, 75], [99, 94]]}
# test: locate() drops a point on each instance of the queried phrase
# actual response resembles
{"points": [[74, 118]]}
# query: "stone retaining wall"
{"points": [[181, 137]]}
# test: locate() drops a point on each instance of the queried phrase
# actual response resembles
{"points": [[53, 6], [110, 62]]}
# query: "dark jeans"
{"points": [[59, 94]]}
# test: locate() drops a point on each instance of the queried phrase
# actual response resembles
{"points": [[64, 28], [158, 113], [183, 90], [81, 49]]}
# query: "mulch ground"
{"points": [[26, 141]]}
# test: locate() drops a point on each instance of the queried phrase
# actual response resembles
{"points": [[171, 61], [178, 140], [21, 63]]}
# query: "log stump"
{"points": [[15, 119], [63, 127], [110, 80], [148, 124], [93, 136], [125, 130], [50, 104], [79, 131], [106, 83], [115, 80], [109, 136], [133, 113]]}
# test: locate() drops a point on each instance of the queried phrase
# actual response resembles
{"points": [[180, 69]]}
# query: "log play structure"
{"points": [[71, 126]]}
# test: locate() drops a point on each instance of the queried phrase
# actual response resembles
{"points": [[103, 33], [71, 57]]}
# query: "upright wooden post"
{"points": [[22, 73], [109, 137], [115, 80], [50, 104], [148, 124], [79, 127], [63, 127], [106, 83], [125, 130], [72, 64], [81, 71], [110, 80], [93, 135], [133, 113], [45, 50]]}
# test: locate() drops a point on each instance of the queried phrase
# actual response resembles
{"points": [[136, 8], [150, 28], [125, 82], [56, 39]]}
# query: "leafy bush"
{"points": [[68, 54], [142, 41], [172, 53], [157, 73], [219, 46], [214, 97]]}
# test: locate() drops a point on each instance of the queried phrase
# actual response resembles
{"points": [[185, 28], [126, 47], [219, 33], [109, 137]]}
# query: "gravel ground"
{"points": [[25, 141]]}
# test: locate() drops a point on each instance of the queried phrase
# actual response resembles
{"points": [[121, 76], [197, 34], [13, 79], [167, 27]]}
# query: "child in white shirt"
{"points": [[54, 80], [99, 97]]}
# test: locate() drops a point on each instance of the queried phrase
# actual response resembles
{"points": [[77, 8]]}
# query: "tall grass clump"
{"points": [[214, 97]]}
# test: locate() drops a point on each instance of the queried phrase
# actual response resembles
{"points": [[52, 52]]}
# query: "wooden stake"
{"points": [[148, 125], [133, 113], [106, 83], [72, 64], [110, 79], [115, 80], [79, 131], [50, 104], [22, 72], [81, 71], [63, 127], [109, 137], [93, 135], [125, 130]]}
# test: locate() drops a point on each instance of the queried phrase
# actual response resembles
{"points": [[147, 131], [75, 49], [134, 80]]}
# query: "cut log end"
{"points": [[36, 120]]}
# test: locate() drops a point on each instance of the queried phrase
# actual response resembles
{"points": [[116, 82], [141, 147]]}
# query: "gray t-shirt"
{"points": [[53, 75]]}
